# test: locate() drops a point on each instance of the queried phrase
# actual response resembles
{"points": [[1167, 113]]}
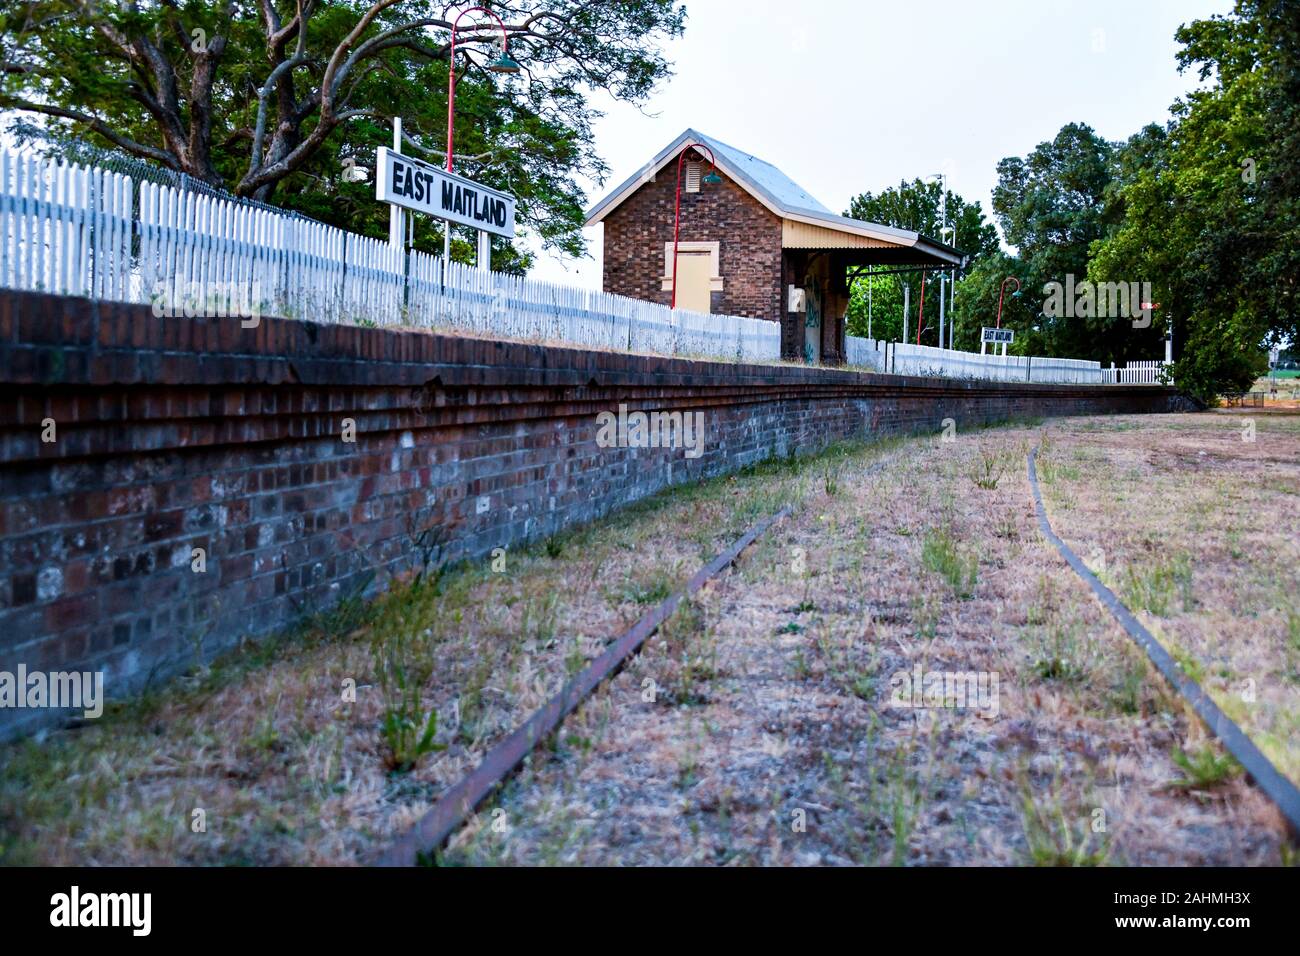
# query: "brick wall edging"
{"points": [[164, 447]]}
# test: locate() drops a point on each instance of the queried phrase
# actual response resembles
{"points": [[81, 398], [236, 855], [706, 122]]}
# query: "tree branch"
{"points": [[97, 125]]}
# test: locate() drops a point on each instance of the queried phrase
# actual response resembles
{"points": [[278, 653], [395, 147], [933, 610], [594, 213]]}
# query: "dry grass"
{"points": [[789, 752], [1196, 529], [756, 728]]}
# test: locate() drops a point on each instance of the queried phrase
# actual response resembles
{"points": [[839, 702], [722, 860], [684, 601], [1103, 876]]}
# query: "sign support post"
{"points": [[396, 215], [996, 336], [411, 183]]}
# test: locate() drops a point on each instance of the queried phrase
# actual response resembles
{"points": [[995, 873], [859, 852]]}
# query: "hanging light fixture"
{"points": [[503, 64]]}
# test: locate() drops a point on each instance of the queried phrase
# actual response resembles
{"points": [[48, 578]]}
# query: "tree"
{"points": [[915, 206], [1051, 205], [268, 98], [1213, 215]]}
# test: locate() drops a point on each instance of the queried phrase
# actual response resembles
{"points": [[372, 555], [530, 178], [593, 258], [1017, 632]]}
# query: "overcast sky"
{"points": [[848, 96]]}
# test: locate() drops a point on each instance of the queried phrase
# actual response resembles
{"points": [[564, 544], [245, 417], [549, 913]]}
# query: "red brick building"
{"points": [[755, 244]]}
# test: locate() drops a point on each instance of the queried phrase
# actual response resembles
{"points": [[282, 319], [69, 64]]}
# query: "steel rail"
{"points": [[1267, 777], [433, 829]]}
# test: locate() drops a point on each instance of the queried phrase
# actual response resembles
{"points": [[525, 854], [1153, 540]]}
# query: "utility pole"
{"points": [[870, 283], [907, 307], [952, 302], [943, 230]]}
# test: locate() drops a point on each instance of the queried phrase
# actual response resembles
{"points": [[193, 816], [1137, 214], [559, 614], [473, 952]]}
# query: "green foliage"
{"points": [[940, 554], [1154, 584], [403, 660], [1056, 835], [989, 469], [1205, 209], [1051, 205], [181, 83], [654, 589], [915, 206], [831, 478], [1209, 212], [1205, 768], [1061, 655], [977, 302]]}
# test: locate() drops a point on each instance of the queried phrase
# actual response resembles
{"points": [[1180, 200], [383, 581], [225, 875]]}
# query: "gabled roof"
{"points": [[775, 190]]}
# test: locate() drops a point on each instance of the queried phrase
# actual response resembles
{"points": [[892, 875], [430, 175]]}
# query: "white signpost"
{"points": [[422, 187], [996, 337]]}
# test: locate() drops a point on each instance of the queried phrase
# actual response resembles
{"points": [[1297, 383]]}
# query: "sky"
{"points": [[850, 96]]}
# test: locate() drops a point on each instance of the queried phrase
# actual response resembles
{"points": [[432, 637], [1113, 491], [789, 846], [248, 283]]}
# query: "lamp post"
{"points": [[711, 178], [502, 64], [952, 289], [1002, 288], [920, 317], [943, 229]]}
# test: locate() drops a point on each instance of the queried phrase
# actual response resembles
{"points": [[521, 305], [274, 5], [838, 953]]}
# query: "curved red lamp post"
{"points": [[502, 64], [710, 178], [1001, 289]]}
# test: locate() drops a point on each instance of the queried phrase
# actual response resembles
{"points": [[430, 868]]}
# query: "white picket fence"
{"points": [[1136, 373], [492, 304], [65, 229], [85, 231], [77, 230], [902, 358]]}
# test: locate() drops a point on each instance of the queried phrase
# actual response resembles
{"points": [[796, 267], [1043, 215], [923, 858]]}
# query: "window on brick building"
{"points": [[692, 177]]}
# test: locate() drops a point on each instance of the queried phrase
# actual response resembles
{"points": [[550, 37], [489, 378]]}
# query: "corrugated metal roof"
{"points": [[776, 190], [783, 190]]}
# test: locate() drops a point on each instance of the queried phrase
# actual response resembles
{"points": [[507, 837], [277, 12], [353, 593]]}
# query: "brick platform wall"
{"points": [[175, 434], [749, 255]]}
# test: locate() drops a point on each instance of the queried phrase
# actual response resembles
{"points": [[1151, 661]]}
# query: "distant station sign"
{"points": [[998, 336], [423, 187]]}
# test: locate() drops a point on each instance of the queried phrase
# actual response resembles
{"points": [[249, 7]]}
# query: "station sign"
{"points": [[998, 336], [414, 184]]}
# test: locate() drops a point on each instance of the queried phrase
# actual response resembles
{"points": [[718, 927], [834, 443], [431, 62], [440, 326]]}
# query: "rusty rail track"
{"points": [[433, 829], [1276, 786]]}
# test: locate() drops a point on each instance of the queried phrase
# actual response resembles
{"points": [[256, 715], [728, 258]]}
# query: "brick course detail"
{"points": [[175, 434]]}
